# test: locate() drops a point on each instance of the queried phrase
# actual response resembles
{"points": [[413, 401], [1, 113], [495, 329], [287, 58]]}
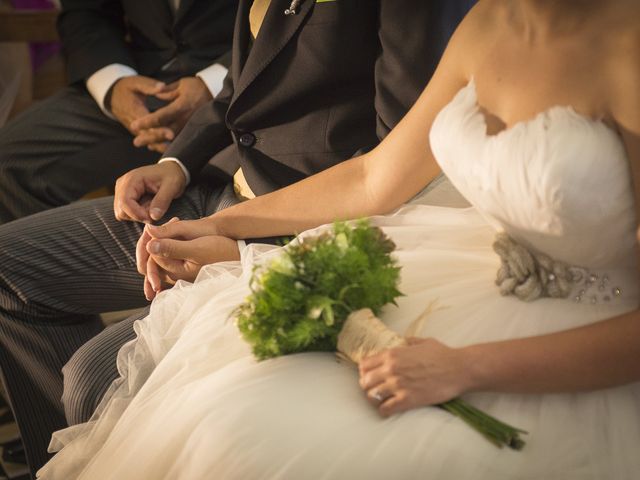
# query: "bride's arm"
{"points": [[374, 183], [601, 355]]}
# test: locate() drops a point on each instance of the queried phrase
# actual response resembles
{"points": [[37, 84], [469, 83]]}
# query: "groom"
{"points": [[311, 84]]}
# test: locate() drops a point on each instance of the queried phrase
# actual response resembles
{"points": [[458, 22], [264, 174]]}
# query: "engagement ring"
{"points": [[379, 396]]}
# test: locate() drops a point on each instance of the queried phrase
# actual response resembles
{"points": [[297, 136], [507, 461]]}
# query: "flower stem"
{"points": [[497, 432]]}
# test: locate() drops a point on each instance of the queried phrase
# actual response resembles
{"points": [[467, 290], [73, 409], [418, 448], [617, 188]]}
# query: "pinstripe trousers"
{"points": [[58, 270], [59, 150]]}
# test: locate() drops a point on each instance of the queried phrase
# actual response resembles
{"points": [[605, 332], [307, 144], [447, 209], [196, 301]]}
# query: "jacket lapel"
{"points": [[276, 31], [184, 7], [241, 36], [164, 12]]}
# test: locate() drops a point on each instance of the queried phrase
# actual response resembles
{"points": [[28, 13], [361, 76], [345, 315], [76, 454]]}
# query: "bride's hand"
{"points": [[171, 260], [426, 372], [178, 250]]}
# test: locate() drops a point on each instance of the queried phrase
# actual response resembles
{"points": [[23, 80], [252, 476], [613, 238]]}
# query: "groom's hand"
{"points": [[144, 194]]}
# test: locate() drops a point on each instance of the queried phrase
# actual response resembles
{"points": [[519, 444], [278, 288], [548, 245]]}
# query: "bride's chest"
{"points": [[556, 179]]}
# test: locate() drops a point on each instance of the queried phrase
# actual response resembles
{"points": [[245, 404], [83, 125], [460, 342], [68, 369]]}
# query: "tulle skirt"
{"points": [[193, 404]]}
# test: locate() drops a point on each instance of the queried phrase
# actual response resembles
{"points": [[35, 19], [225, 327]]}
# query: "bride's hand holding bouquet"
{"points": [[424, 372]]}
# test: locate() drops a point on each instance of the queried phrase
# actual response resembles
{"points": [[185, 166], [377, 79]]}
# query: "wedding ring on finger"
{"points": [[379, 396]]}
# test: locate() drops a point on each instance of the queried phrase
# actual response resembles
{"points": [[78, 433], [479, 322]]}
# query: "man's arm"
{"points": [[205, 133], [155, 130], [93, 36], [203, 136]]}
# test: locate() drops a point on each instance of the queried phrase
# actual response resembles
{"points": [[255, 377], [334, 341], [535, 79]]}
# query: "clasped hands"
{"points": [[178, 250], [155, 130]]}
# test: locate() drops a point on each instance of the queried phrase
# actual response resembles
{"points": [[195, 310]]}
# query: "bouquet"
{"points": [[323, 294]]}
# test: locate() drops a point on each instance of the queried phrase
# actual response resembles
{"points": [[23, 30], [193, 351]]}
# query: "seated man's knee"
{"points": [[87, 377]]}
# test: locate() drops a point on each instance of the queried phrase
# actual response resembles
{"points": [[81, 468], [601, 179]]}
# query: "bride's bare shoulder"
{"points": [[623, 63]]}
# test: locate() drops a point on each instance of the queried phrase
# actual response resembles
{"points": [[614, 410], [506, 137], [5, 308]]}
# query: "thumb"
{"points": [[148, 86], [170, 248], [161, 200]]}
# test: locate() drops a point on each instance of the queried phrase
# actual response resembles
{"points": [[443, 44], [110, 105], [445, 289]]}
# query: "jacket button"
{"points": [[247, 140]]}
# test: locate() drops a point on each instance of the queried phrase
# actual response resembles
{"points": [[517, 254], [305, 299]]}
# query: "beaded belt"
{"points": [[531, 275]]}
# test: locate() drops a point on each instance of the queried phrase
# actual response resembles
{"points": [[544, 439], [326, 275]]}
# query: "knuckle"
{"points": [[395, 381], [392, 365], [167, 249]]}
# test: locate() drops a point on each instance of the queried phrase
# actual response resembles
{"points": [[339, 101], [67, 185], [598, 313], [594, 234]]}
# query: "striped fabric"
{"points": [[58, 270], [59, 150]]}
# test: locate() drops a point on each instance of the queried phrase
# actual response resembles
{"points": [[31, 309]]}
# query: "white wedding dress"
{"points": [[193, 403]]}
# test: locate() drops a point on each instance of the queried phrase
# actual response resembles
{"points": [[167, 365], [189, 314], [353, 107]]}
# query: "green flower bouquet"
{"points": [[323, 294]]}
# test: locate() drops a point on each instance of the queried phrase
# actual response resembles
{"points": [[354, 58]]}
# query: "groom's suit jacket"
{"points": [[316, 87], [145, 35]]}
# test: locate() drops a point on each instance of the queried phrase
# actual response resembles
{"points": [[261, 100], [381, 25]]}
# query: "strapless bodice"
{"points": [[558, 183]]}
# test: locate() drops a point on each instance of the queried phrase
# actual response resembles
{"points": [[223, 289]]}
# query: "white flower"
{"points": [[341, 242], [283, 264]]}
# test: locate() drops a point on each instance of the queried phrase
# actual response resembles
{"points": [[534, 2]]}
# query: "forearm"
{"points": [[338, 193], [601, 355]]}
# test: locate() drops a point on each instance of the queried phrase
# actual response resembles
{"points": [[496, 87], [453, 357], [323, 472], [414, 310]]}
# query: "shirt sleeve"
{"points": [[213, 78], [101, 81]]}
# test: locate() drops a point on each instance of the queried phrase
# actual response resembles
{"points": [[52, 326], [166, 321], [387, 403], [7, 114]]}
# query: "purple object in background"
{"points": [[40, 52]]}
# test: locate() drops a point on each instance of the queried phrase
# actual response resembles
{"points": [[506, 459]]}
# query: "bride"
{"points": [[534, 115]]}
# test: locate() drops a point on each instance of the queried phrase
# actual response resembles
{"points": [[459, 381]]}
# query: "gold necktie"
{"points": [[256, 15]]}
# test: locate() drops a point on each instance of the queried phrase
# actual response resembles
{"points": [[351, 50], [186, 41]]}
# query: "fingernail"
{"points": [[160, 85], [156, 213], [154, 247]]}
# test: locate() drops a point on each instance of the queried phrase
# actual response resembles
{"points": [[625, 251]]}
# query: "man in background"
{"points": [[125, 59]]}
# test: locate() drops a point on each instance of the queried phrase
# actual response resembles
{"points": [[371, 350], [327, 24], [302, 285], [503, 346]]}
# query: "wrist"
{"points": [[474, 362], [184, 173], [214, 224], [109, 95]]}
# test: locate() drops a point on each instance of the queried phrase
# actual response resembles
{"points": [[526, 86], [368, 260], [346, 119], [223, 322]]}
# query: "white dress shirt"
{"points": [[101, 81]]}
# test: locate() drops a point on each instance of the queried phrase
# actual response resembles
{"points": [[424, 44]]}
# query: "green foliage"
{"points": [[300, 300]]}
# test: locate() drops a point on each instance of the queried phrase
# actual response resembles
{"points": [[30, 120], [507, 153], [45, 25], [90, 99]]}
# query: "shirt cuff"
{"points": [[101, 81], [213, 78], [186, 173]]}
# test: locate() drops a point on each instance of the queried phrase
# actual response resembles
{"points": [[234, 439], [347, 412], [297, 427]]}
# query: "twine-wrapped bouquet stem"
{"points": [[363, 334]]}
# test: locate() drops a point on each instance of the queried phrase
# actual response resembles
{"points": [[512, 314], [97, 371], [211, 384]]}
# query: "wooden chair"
{"points": [[20, 27], [28, 25]]}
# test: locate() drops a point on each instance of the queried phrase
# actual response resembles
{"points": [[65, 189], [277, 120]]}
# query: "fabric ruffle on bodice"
{"points": [[558, 184]]}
